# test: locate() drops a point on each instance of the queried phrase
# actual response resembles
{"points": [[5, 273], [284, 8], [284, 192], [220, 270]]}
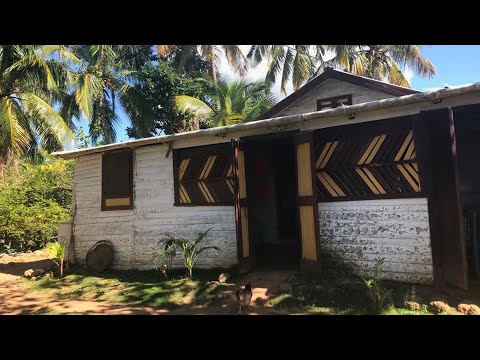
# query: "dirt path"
{"points": [[16, 298]]}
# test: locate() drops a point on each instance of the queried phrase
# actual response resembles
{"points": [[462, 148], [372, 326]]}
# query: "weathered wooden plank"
{"points": [[366, 241], [408, 252], [374, 215]]}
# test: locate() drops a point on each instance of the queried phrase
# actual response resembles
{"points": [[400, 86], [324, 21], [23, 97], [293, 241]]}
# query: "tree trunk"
{"points": [[61, 268], [212, 59]]}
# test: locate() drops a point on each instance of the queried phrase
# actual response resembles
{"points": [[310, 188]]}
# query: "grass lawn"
{"points": [[132, 288], [149, 288]]}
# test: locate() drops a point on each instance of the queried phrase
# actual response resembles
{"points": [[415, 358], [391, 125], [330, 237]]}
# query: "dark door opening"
{"points": [[270, 176], [467, 130]]}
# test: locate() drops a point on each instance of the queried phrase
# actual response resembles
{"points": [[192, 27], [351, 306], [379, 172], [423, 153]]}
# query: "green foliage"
{"points": [[34, 199], [30, 83], [228, 103], [157, 85], [378, 293], [57, 249], [189, 250]]}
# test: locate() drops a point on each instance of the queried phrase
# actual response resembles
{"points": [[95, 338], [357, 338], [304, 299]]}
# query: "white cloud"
{"points": [[408, 73]]}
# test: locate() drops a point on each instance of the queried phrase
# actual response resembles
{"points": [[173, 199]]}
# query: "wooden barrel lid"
{"points": [[100, 256]]}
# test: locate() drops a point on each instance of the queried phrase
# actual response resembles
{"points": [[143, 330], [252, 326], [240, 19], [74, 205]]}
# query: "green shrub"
{"points": [[34, 199], [189, 250], [377, 292]]}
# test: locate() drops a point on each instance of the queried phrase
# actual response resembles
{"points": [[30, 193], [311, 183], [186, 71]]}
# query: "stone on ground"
{"points": [[223, 277]]}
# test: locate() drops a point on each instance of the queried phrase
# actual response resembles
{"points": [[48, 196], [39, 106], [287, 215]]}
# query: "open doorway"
{"points": [[467, 131], [271, 188]]}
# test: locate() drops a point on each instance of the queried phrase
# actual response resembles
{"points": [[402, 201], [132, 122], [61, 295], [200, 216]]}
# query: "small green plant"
{"points": [[165, 257], [375, 287], [57, 249], [189, 249]]}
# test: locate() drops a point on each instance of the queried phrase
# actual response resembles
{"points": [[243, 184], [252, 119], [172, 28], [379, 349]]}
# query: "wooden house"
{"points": [[342, 171]]}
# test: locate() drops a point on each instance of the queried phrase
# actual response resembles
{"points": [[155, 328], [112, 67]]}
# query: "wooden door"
{"points": [[436, 149], [244, 249], [307, 207]]}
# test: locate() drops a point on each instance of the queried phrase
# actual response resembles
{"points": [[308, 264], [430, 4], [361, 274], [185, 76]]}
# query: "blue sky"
{"points": [[455, 64]]}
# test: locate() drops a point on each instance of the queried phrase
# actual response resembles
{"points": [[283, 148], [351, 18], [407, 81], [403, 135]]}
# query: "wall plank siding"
{"points": [[354, 233], [135, 233], [332, 88]]}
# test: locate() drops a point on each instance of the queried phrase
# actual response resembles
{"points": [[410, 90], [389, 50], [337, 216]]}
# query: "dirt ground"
{"points": [[16, 299]]}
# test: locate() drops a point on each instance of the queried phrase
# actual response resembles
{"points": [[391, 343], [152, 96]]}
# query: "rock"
{"points": [[28, 273], [474, 310], [468, 309], [38, 272], [412, 305], [33, 278], [48, 275], [463, 308], [223, 277], [438, 307]]}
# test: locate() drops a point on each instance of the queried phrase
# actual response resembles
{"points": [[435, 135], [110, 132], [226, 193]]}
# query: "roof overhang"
{"points": [[435, 96]]}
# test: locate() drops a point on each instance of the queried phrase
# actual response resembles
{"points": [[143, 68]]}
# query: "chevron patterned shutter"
{"points": [[360, 163], [204, 176]]}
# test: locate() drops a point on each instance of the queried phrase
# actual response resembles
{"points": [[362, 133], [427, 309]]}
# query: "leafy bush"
{"points": [[57, 250], [34, 199], [189, 249]]}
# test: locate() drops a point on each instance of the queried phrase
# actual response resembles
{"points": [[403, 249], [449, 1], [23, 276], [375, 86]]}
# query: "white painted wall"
{"points": [[354, 233], [135, 233]]}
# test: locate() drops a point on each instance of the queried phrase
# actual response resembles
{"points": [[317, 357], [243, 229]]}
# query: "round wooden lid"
{"points": [[100, 256]]}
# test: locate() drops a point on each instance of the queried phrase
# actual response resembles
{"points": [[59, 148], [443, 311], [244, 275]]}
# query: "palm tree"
{"points": [[299, 63], [102, 80], [234, 56], [228, 103], [30, 81], [382, 62]]}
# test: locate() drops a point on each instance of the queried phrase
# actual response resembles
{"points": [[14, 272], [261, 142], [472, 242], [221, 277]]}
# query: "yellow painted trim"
{"points": [[375, 149], [205, 192], [367, 181], [242, 189], [183, 168], [183, 191], [368, 150], [333, 184], [230, 185], [327, 185], [412, 171], [408, 177], [245, 237], [374, 181], [322, 154], [117, 202], [405, 144], [410, 151], [329, 155], [304, 170], [307, 221]]}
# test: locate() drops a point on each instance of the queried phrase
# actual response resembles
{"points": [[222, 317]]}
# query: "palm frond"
{"points": [[47, 120], [13, 136], [89, 88]]}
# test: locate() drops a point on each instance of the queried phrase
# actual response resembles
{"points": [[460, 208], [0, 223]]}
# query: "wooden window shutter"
{"points": [[367, 161], [117, 181], [204, 176]]}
